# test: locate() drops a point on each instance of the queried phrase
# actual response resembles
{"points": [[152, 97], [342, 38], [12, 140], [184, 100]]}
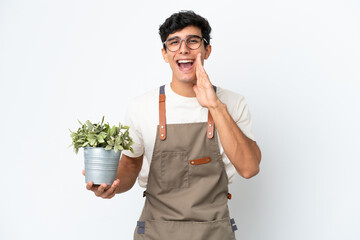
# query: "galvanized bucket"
{"points": [[101, 165]]}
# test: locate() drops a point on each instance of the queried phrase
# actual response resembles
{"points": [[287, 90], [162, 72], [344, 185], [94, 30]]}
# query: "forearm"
{"points": [[128, 172], [242, 152]]}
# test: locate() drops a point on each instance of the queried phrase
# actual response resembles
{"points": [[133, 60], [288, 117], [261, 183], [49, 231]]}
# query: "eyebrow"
{"points": [[176, 37]]}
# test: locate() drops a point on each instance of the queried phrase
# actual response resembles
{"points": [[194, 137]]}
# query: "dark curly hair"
{"points": [[181, 20]]}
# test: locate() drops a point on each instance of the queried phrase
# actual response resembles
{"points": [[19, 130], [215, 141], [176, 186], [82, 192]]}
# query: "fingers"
{"points": [[96, 188], [100, 190], [195, 89], [89, 185], [83, 172], [103, 190], [198, 60], [198, 67], [110, 192], [201, 74], [102, 187]]}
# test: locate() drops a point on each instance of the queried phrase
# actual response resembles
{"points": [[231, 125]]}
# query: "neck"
{"points": [[183, 89]]}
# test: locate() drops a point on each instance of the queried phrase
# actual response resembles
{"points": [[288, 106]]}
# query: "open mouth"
{"points": [[185, 64]]}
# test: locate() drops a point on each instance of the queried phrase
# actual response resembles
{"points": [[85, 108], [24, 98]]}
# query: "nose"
{"points": [[183, 47]]}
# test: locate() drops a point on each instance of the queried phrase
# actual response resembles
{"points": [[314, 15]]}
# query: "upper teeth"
{"points": [[185, 61]]}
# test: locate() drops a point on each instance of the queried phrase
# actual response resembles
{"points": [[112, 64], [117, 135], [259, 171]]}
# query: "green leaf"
{"points": [[92, 141], [113, 131], [108, 147], [111, 142], [117, 131], [103, 134], [100, 139], [90, 125]]}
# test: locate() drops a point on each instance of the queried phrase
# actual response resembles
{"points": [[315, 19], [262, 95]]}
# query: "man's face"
{"points": [[182, 62]]}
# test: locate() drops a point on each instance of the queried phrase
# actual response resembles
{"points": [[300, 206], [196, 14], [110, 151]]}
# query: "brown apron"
{"points": [[187, 190]]}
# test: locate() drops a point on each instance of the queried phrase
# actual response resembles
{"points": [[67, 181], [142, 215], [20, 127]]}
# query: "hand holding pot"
{"points": [[103, 190]]}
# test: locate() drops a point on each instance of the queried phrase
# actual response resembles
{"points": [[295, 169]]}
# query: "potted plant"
{"points": [[102, 148]]}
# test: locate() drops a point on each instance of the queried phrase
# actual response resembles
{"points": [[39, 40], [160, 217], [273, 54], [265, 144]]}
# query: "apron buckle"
{"points": [[229, 196]]}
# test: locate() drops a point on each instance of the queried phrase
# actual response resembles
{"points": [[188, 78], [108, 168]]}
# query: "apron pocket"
{"points": [[174, 170], [181, 230]]}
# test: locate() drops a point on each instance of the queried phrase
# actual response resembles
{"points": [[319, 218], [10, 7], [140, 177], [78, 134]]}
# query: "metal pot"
{"points": [[101, 165]]}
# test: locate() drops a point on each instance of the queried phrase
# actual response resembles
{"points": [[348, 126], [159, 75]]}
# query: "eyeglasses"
{"points": [[192, 42]]}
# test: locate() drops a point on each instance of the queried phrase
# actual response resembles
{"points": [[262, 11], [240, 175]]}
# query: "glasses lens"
{"points": [[173, 44], [193, 42]]}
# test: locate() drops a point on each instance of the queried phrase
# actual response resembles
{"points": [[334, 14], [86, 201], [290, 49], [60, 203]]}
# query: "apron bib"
{"points": [[187, 190]]}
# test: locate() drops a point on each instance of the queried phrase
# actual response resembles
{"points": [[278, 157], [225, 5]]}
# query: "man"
{"points": [[194, 138]]}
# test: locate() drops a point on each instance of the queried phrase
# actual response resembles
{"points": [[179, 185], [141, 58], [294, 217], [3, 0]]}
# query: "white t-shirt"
{"points": [[143, 118]]}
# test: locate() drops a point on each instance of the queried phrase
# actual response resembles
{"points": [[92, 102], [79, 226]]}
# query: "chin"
{"points": [[187, 79], [193, 81]]}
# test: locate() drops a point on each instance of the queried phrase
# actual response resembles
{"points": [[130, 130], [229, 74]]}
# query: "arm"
{"points": [[243, 153], [128, 171]]}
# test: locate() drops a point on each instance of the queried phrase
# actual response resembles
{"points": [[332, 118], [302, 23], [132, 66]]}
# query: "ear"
{"points": [[207, 51], [165, 56]]}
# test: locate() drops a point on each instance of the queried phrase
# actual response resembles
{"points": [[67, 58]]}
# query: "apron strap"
{"points": [[210, 125], [162, 116]]}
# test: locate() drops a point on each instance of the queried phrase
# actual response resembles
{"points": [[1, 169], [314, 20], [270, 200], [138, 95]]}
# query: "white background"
{"points": [[296, 62]]}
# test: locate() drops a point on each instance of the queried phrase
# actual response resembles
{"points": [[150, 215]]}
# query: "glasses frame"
{"points": [[185, 40]]}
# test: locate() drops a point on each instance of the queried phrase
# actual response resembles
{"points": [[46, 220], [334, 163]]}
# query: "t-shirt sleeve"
{"points": [[132, 120], [242, 117]]}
